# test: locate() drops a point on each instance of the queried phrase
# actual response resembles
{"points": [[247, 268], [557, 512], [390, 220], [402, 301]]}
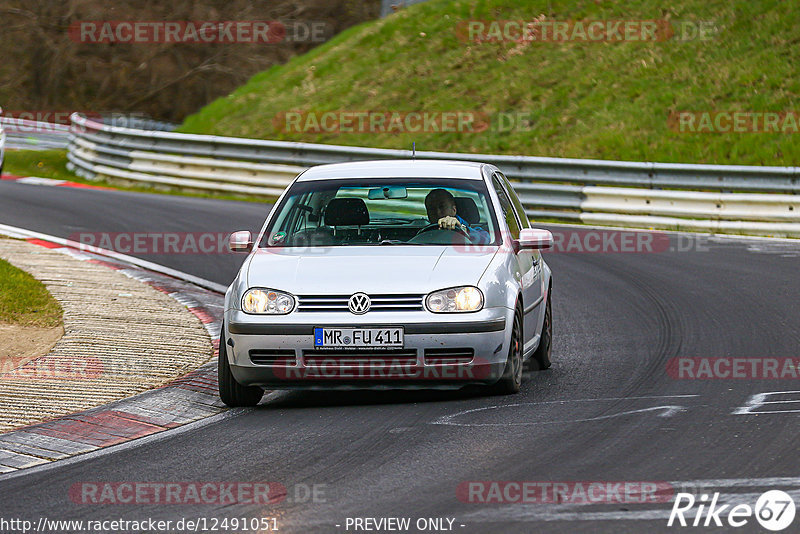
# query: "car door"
{"points": [[528, 261], [523, 217]]}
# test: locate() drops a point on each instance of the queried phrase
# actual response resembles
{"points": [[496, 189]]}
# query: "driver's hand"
{"points": [[451, 223]]}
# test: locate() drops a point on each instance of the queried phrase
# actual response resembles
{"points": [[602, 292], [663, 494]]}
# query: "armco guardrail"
{"points": [[3, 141], [34, 135], [25, 134], [717, 198], [2, 148]]}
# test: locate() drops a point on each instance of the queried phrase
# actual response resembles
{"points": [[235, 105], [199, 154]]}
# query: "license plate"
{"points": [[330, 338]]}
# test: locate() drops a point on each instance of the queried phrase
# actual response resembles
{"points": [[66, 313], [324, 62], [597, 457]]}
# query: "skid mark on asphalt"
{"points": [[758, 403], [783, 249], [515, 418]]}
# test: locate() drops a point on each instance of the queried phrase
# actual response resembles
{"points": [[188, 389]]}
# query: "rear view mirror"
{"points": [[390, 191], [241, 241], [535, 238]]}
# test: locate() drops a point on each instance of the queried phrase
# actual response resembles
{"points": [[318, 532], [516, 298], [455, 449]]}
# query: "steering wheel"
{"points": [[435, 226]]}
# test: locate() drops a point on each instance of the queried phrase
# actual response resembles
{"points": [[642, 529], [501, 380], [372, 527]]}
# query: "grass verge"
{"points": [[53, 164], [24, 300]]}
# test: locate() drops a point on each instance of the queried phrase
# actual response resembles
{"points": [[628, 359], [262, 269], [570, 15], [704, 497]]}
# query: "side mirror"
{"points": [[241, 241], [535, 238]]}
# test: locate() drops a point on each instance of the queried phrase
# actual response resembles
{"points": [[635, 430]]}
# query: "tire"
{"points": [[231, 392], [542, 354], [511, 381]]}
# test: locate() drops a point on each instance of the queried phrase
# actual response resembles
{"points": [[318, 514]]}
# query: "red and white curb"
{"points": [[184, 400], [36, 180]]}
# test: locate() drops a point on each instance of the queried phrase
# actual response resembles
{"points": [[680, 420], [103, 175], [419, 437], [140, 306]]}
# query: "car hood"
{"points": [[377, 269]]}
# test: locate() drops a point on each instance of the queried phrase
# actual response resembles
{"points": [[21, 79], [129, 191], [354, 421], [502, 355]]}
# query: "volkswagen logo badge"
{"points": [[359, 303]]}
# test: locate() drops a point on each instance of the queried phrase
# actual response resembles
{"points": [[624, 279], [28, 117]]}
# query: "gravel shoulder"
{"points": [[121, 337], [21, 344]]}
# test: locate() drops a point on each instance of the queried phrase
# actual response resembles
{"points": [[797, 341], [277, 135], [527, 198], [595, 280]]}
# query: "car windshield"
{"points": [[381, 211]]}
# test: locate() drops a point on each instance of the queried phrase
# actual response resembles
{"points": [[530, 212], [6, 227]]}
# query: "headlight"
{"points": [[457, 299], [267, 301]]}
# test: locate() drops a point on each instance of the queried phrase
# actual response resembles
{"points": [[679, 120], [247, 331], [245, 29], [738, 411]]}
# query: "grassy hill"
{"points": [[608, 100]]}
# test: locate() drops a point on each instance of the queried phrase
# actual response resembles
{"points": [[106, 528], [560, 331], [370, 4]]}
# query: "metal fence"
{"points": [[717, 198], [25, 134], [34, 135]]}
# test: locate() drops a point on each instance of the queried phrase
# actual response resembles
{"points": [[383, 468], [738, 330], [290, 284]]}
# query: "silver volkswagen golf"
{"points": [[388, 274]]}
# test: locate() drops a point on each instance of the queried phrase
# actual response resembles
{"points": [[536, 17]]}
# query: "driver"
{"points": [[441, 208]]}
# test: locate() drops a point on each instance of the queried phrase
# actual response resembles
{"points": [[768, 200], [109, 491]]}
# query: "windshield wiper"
{"points": [[400, 242]]}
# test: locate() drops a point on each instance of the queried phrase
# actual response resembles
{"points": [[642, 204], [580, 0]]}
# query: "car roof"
{"points": [[401, 168]]}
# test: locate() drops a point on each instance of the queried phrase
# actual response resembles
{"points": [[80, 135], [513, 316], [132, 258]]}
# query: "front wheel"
{"points": [[231, 392], [511, 381]]}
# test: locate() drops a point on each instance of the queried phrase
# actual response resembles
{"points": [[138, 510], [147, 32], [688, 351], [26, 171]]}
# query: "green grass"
{"points": [[42, 163], [24, 300], [583, 100], [53, 164]]}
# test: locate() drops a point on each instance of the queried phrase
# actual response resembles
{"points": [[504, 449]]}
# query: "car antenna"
{"points": [[413, 150]]}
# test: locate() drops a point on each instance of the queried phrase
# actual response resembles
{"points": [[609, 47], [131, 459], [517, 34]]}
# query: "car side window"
{"points": [[508, 209], [516, 202]]}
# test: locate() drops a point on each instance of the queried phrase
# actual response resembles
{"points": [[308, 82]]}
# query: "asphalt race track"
{"points": [[607, 411]]}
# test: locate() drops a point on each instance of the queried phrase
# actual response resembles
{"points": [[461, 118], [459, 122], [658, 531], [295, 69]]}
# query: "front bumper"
{"points": [[289, 340]]}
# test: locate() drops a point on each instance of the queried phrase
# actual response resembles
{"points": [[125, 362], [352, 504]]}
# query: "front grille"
{"points": [[334, 303], [360, 358], [449, 356], [273, 357]]}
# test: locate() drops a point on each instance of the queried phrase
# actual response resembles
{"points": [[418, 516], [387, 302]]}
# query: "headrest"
{"points": [[467, 210], [346, 212]]}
